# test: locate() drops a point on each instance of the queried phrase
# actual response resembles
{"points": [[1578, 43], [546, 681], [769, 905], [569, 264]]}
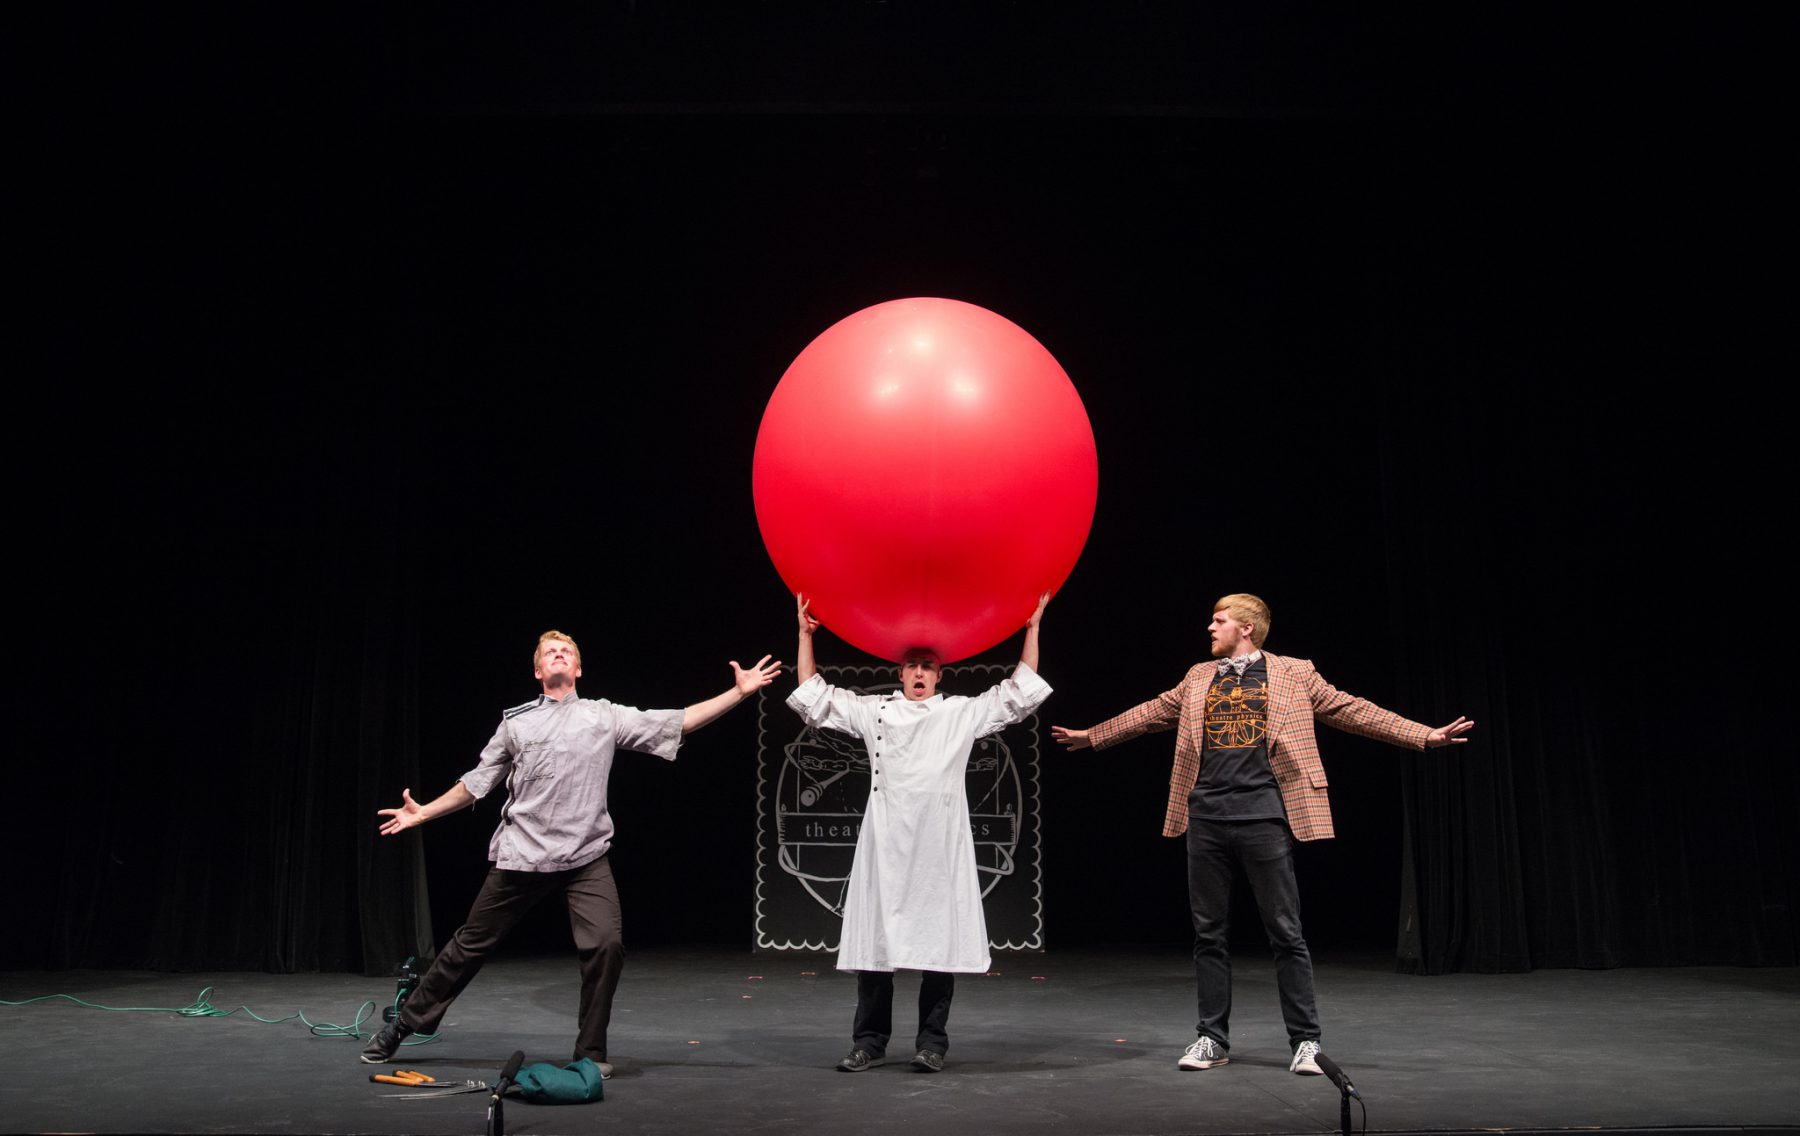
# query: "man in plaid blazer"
{"points": [[1247, 783]]}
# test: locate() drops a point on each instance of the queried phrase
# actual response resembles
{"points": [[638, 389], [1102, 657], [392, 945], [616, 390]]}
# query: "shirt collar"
{"points": [[900, 696]]}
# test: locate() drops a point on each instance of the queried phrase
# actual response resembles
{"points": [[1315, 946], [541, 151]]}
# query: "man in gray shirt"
{"points": [[555, 753]]}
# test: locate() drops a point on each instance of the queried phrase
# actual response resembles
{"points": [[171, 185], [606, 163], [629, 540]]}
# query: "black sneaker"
{"points": [[383, 1045], [1205, 1053], [1305, 1061], [925, 1061], [858, 1060]]}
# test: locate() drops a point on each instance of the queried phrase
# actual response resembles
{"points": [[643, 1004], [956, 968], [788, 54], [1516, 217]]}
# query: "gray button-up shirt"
{"points": [[556, 758]]}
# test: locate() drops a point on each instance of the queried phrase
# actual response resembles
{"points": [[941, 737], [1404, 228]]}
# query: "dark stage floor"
{"points": [[1073, 1042]]}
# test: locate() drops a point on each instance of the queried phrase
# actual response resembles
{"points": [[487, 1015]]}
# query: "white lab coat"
{"points": [[914, 897]]}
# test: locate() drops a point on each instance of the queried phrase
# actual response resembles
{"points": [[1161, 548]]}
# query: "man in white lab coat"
{"points": [[914, 898]]}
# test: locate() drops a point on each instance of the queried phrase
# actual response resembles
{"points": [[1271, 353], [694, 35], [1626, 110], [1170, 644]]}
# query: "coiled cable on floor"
{"points": [[200, 1007]]}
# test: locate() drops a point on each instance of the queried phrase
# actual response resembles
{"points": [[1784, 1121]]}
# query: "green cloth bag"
{"points": [[544, 1083]]}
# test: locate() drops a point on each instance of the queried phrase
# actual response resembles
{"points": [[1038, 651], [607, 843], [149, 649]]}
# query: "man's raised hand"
{"points": [[402, 818], [1449, 735], [1074, 739], [750, 681]]}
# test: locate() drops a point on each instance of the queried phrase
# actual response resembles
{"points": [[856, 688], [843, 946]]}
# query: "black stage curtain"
{"points": [[225, 686], [1619, 809], [222, 682], [233, 790], [229, 608], [1560, 576]]}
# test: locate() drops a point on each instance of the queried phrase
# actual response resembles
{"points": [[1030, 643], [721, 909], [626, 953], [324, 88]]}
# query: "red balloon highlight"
{"points": [[924, 470]]}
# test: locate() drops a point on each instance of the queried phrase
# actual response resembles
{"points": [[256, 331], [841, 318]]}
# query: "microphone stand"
{"points": [[496, 1116], [1346, 1090]]}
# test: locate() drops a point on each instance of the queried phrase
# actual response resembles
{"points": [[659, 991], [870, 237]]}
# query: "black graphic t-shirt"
{"points": [[1235, 781]]}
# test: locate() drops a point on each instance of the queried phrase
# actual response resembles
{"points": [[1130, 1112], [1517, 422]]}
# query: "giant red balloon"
{"points": [[924, 470]]}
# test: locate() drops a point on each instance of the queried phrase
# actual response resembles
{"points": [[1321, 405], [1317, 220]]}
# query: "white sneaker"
{"points": [[1303, 1062], [1203, 1054]]}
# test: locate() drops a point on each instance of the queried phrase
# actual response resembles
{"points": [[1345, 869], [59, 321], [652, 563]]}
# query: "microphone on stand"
{"points": [[1337, 1075], [496, 1117], [1345, 1091], [518, 1058]]}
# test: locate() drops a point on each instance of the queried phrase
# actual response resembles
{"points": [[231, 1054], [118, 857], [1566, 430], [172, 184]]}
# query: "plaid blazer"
{"points": [[1297, 696]]}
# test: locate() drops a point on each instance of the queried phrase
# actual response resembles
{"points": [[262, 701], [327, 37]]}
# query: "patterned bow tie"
{"points": [[1238, 665]]}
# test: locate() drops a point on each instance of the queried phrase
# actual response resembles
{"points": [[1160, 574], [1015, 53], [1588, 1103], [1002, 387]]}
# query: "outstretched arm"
{"points": [[411, 813], [1029, 653], [1356, 715], [804, 667], [1160, 713], [744, 684]]}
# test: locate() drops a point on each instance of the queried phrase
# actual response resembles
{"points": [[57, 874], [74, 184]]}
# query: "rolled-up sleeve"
{"points": [[1013, 700], [823, 706], [496, 760], [655, 732]]}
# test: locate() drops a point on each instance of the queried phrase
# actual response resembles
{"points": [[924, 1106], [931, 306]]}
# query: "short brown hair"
{"points": [[1246, 608], [537, 656]]}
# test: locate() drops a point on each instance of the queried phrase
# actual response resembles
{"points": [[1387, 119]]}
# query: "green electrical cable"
{"points": [[201, 1008]]}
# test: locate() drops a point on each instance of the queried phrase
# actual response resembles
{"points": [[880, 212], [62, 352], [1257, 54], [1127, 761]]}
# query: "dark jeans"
{"points": [[505, 897], [1265, 851], [875, 1011]]}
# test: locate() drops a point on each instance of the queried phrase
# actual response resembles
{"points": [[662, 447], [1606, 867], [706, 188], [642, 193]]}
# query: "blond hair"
{"points": [[1246, 608], [537, 655]]}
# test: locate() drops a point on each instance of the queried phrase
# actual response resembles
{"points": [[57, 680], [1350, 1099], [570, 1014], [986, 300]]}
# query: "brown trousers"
{"points": [[593, 901]]}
